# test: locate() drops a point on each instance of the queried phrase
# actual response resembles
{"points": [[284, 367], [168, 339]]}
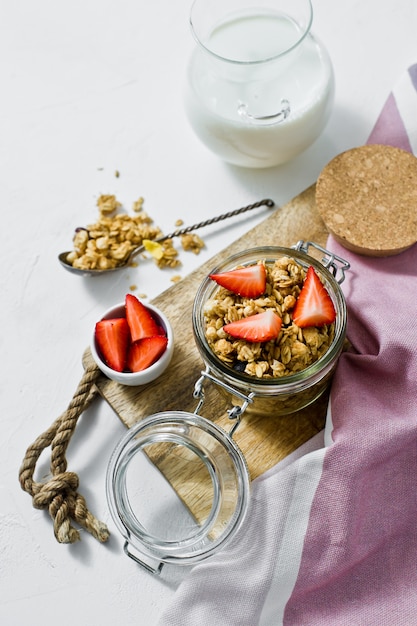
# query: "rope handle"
{"points": [[59, 493]]}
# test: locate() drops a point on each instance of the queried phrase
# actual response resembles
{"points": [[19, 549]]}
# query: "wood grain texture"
{"points": [[263, 441]]}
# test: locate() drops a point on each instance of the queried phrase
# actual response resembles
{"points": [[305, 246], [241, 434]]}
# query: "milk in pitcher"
{"points": [[260, 93]]}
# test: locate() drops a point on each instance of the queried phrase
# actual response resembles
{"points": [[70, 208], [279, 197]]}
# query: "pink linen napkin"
{"points": [[331, 538]]}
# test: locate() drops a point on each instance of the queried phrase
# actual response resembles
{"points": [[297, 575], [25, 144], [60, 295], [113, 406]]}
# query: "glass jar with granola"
{"points": [[270, 324]]}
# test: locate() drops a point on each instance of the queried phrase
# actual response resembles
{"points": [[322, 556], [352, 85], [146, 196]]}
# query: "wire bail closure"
{"points": [[331, 261], [235, 413]]}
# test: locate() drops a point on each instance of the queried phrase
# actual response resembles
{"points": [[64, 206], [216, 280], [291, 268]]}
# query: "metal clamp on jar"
{"points": [[196, 467]]}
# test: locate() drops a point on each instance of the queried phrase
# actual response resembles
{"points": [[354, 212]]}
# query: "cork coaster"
{"points": [[367, 197]]}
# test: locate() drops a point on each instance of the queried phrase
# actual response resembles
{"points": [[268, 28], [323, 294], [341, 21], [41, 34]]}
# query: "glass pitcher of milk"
{"points": [[259, 86]]}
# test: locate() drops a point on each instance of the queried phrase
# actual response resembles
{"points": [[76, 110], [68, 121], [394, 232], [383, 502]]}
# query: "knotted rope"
{"points": [[59, 493]]}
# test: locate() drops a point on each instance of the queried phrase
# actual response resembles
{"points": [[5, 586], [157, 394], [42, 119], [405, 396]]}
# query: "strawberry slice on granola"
{"points": [[248, 281], [256, 328], [314, 306]]}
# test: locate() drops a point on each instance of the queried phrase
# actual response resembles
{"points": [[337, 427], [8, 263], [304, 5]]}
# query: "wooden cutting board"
{"points": [[263, 441]]}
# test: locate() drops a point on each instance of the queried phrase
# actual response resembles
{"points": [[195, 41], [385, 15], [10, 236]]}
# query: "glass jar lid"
{"points": [[178, 488]]}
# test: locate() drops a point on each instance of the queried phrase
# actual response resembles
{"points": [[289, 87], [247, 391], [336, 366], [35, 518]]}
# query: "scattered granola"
{"points": [[169, 255], [138, 205], [108, 242], [107, 204], [192, 242], [292, 351]]}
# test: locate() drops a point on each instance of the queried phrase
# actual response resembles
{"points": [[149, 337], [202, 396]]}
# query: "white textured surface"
{"points": [[88, 88]]}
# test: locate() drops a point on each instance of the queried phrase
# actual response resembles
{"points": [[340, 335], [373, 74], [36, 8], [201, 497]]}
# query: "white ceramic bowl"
{"points": [[150, 373]]}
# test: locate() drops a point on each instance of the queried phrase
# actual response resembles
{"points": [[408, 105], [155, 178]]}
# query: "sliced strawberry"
{"points": [[249, 281], [314, 306], [113, 338], [144, 352], [259, 327], [140, 319]]}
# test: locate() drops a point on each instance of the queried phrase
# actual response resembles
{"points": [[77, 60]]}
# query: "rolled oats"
{"points": [[169, 256], [109, 241], [292, 351], [192, 242], [138, 205], [108, 204]]}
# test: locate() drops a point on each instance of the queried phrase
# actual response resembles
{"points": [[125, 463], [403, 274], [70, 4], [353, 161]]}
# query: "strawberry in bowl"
{"points": [[132, 343]]}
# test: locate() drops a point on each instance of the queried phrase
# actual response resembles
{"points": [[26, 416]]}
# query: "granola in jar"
{"points": [[293, 350]]}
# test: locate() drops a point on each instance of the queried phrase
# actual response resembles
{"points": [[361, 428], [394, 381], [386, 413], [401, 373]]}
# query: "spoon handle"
{"points": [[213, 220]]}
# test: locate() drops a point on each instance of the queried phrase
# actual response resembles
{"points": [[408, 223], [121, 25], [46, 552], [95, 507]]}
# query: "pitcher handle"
{"points": [[282, 115]]}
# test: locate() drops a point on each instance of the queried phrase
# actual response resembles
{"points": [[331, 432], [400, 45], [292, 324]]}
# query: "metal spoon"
{"points": [[181, 231]]}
